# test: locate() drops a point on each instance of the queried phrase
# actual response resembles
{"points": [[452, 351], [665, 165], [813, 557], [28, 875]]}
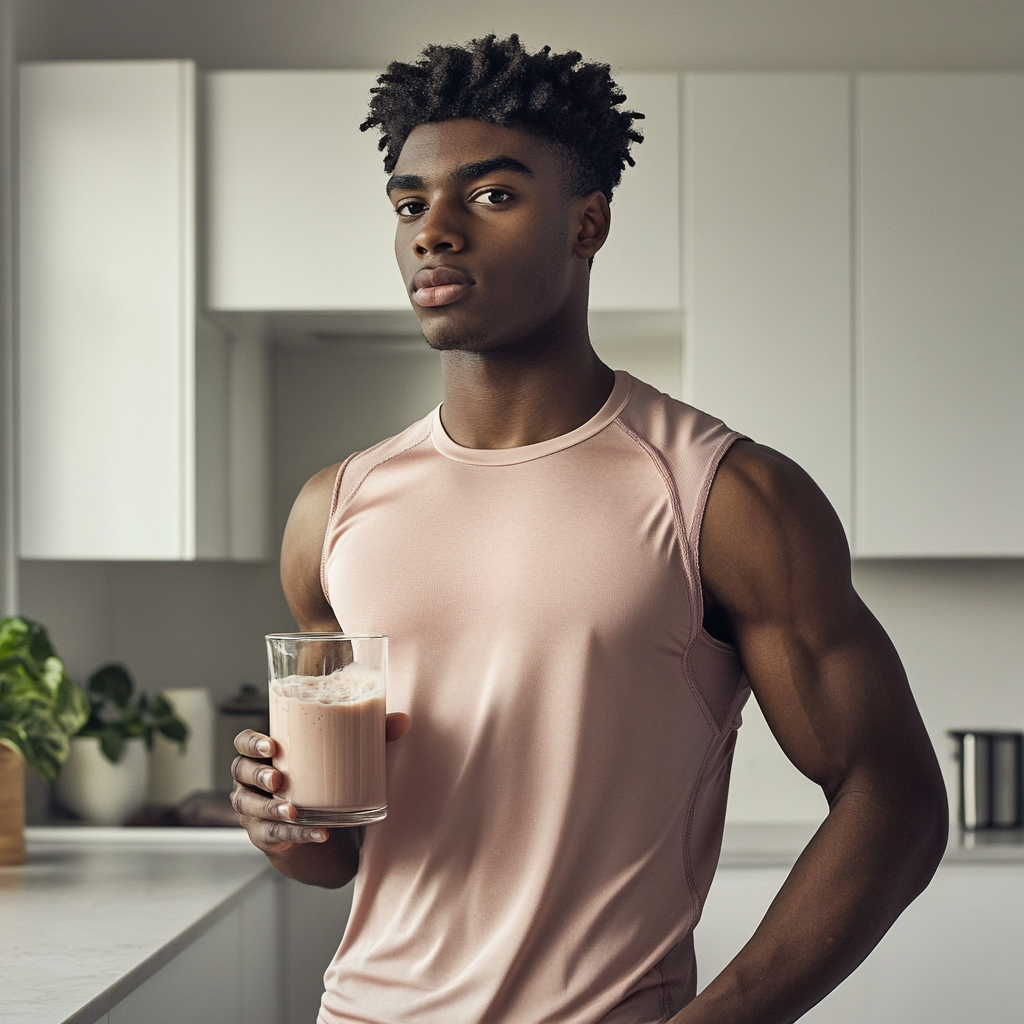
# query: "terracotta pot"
{"points": [[12, 808], [101, 792]]}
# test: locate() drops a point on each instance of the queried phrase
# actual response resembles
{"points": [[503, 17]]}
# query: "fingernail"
{"points": [[263, 747], [317, 836], [265, 777], [282, 812]]}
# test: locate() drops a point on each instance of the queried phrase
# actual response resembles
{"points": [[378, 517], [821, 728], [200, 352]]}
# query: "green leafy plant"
{"points": [[115, 717], [40, 707]]}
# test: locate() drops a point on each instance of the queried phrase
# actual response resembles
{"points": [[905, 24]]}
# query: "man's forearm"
{"points": [[868, 861]]}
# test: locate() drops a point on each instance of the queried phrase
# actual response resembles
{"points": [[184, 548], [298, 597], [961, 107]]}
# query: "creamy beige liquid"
{"points": [[330, 731]]}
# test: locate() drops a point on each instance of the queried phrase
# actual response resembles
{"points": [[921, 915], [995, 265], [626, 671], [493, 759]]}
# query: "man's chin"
{"points": [[442, 338]]}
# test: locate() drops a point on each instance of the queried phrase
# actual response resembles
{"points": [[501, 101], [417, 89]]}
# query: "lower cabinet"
{"points": [[953, 956], [313, 921], [261, 963]]}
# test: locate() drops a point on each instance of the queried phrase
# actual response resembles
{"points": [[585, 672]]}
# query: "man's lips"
{"points": [[439, 286]]}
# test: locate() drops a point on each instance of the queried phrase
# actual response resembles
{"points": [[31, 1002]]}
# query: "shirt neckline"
{"points": [[613, 405]]}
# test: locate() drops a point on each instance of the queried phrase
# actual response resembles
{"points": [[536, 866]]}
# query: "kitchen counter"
{"points": [[778, 846], [95, 919], [96, 912]]}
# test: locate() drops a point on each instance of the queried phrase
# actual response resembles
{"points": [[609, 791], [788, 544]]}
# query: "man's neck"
{"points": [[517, 397]]}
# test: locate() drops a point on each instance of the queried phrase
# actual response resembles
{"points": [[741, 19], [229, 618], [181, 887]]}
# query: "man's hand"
{"points": [[312, 854]]}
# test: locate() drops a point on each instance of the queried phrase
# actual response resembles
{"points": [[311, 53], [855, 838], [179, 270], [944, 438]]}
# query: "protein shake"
{"points": [[330, 731]]}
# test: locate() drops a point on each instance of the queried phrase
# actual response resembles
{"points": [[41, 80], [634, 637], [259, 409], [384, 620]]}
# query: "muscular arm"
{"points": [[775, 561], [317, 856]]}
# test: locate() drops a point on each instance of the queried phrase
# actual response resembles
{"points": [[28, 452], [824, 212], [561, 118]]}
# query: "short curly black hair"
{"points": [[555, 96]]}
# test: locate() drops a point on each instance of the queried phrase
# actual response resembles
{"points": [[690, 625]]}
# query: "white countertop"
{"points": [[97, 911], [774, 846]]}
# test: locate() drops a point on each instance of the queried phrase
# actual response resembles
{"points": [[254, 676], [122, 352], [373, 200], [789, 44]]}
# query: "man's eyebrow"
{"points": [[467, 172], [484, 167], [409, 181]]}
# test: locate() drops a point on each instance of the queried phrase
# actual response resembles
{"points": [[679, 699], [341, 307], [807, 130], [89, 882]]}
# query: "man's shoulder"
{"points": [[358, 465], [681, 435]]}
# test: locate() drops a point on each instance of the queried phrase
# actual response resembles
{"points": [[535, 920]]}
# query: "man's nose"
{"points": [[441, 230]]}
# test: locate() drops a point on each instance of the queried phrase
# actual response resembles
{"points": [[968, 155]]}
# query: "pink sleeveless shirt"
{"points": [[555, 812]]}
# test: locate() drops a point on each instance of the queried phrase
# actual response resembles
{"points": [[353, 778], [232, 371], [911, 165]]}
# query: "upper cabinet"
{"points": [[298, 216], [940, 314], [142, 429], [767, 264], [852, 279], [854, 293], [299, 220], [638, 268]]}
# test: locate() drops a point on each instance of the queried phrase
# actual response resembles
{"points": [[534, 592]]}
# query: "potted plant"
{"points": [[40, 708], [107, 774]]}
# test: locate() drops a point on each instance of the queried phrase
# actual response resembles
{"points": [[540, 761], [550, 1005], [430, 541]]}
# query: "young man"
{"points": [[579, 576]]}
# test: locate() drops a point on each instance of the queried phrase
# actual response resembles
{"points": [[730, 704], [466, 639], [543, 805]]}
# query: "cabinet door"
{"points": [[638, 268], [230, 974], [202, 984], [106, 310], [298, 216], [955, 953], [767, 343], [941, 314]]}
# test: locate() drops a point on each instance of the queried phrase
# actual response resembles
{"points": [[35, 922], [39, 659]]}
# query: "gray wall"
{"points": [[957, 624]]}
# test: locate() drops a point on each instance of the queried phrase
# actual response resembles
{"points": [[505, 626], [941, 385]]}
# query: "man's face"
{"points": [[486, 239]]}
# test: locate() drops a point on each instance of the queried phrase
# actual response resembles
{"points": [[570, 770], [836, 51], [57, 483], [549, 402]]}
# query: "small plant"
{"points": [[115, 717], [40, 707]]}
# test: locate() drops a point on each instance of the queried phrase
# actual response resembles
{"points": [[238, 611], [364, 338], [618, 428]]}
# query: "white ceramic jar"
{"points": [[101, 792]]}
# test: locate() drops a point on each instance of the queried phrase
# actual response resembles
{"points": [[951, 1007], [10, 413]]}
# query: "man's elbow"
{"points": [[925, 826]]}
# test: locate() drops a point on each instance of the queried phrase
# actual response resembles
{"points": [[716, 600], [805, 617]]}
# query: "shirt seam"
{"points": [[338, 505], [469, 460], [692, 586], [692, 570], [689, 567], [335, 491]]}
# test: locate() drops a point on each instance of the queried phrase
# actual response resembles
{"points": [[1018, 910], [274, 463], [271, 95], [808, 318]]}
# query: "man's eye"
{"points": [[492, 197], [410, 208]]}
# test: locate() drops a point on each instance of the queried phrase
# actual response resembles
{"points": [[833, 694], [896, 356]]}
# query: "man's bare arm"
{"points": [[317, 856], [775, 559]]}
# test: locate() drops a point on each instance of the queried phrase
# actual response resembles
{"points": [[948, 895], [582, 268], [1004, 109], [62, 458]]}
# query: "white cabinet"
{"points": [[142, 431], [940, 315], [953, 955], [767, 264], [638, 268], [886, 358], [262, 962], [298, 217], [230, 974]]}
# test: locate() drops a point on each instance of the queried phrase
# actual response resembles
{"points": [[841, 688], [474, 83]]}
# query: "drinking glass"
{"points": [[327, 709]]}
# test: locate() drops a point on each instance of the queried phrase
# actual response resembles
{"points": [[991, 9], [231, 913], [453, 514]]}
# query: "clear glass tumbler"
{"points": [[327, 709]]}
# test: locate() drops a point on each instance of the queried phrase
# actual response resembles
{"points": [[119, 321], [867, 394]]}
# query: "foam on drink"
{"points": [[330, 733]]}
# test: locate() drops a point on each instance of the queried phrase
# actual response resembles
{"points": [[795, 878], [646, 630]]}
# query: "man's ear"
{"points": [[592, 218]]}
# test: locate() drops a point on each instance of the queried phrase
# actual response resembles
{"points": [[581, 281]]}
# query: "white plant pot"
{"points": [[101, 792]]}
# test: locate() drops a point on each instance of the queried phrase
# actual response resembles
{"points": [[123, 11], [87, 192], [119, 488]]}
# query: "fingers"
{"points": [[270, 823], [256, 773], [254, 744], [254, 804], [396, 725], [280, 836]]}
